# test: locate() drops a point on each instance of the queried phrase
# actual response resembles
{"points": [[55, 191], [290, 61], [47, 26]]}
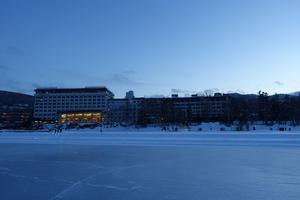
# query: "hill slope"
{"points": [[12, 98]]}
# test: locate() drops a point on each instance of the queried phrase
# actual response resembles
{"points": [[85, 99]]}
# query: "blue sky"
{"points": [[151, 46]]}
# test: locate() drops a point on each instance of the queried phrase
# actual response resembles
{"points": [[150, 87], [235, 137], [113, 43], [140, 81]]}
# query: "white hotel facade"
{"points": [[51, 104]]}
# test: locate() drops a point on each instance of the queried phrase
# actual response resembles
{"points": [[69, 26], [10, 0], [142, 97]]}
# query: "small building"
{"points": [[16, 116]]}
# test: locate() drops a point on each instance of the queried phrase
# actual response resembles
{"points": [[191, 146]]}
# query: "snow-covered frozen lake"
{"points": [[150, 166]]}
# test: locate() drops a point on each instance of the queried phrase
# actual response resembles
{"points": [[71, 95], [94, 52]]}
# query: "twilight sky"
{"points": [[151, 46]]}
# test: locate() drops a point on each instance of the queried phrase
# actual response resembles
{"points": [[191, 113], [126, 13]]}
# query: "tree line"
{"points": [[269, 109]]}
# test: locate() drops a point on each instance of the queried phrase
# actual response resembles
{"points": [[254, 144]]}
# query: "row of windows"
{"points": [[74, 104], [200, 107], [45, 114], [63, 104], [68, 97], [198, 100], [67, 108], [71, 100], [112, 102], [124, 107], [202, 103]]}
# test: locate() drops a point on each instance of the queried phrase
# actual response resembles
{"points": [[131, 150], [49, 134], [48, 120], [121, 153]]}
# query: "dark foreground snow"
{"points": [[149, 166]]}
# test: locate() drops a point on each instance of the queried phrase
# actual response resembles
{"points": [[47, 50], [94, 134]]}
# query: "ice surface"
{"points": [[138, 166]]}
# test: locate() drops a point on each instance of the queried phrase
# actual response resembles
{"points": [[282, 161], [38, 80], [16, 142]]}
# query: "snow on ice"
{"points": [[150, 165]]}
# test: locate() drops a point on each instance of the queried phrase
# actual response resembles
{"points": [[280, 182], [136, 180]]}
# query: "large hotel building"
{"points": [[71, 104], [97, 104]]}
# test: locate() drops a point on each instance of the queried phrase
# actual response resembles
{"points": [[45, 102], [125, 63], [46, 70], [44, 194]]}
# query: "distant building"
{"points": [[168, 110], [129, 95], [87, 104], [124, 110], [185, 109], [15, 116], [16, 110], [117, 110], [199, 108]]}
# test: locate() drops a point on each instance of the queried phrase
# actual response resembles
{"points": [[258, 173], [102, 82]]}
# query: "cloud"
{"points": [[207, 92], [239, 91], [210, 92], [38, 85], [181, 91], [10, 84], [123, 78], [278, 83], [128, 71], [14, 50], [155, 96], [71, 78], [4, 68]]}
